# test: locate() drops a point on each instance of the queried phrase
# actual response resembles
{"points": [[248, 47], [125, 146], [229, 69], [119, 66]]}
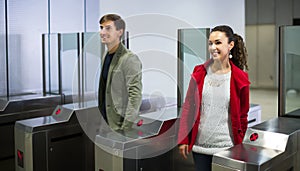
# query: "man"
{"points": [[121, 77]]}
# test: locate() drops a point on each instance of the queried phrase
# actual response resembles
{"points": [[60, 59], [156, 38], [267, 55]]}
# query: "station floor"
{"points": [[268, 100]]}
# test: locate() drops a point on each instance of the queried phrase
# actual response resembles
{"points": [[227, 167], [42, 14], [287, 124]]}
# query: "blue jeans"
{"points": [[202, 161]]}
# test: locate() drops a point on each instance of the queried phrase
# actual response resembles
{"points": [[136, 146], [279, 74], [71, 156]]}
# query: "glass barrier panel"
{"points": [[61, 53], [69, 55], [192, 51], [24, 31], [289, 83], [92, 50], [3, 55], [3, 59], [50, 63]]}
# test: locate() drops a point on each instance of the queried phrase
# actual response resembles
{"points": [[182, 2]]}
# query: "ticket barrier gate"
{"points": [[55, 142], [65, 139], [16, 108], [254, 118], [272, 145], [146, 147]]}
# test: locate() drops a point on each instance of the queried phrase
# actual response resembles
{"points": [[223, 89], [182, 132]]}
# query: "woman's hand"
{"points": [[183, 150]]}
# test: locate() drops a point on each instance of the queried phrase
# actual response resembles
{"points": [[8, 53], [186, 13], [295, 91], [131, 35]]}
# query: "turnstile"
{"points": [[56, 142], [254, 118], [254, 115], [270, 146], [17, 108], [147, 147], [65, 140]]}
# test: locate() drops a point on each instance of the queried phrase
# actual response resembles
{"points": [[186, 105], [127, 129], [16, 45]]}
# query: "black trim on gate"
{"points": [[281, 69], [6, 48], [80, 68], [44, 65], [59, 66], [67, 137], [252, 120]]}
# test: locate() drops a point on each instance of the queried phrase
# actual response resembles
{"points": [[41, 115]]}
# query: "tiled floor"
{"points": [[268, 100]]}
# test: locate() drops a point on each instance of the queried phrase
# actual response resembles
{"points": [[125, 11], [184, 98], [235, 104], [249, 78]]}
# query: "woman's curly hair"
{"points": [[239, 51]]}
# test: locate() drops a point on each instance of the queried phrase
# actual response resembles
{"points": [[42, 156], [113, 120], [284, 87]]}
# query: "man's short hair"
{"points": [[118, 21]]}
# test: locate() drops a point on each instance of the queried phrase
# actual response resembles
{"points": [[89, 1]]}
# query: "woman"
{"points": [[214, 114]]}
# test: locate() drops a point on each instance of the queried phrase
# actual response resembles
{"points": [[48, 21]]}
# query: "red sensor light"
{"points": [[58, 111], [140, 122], [253, 137]]}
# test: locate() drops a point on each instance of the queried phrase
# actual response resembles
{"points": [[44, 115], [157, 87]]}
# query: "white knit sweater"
{"points": [[213, 132]]}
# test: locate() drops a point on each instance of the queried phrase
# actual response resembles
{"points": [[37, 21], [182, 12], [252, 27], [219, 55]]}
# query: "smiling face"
{"points": [[219, 47], [109, 33]]}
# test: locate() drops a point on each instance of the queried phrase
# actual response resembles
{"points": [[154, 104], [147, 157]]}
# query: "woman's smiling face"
{"points": [[219, 47]]}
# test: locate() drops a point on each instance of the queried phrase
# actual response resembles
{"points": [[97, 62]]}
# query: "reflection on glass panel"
{"points": [[3, 69], [193, 50], [72, 64], [61, 53], [15, 65], [290, 61], [92, 51], [50, 56], [27, 21], [69, 55]]}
